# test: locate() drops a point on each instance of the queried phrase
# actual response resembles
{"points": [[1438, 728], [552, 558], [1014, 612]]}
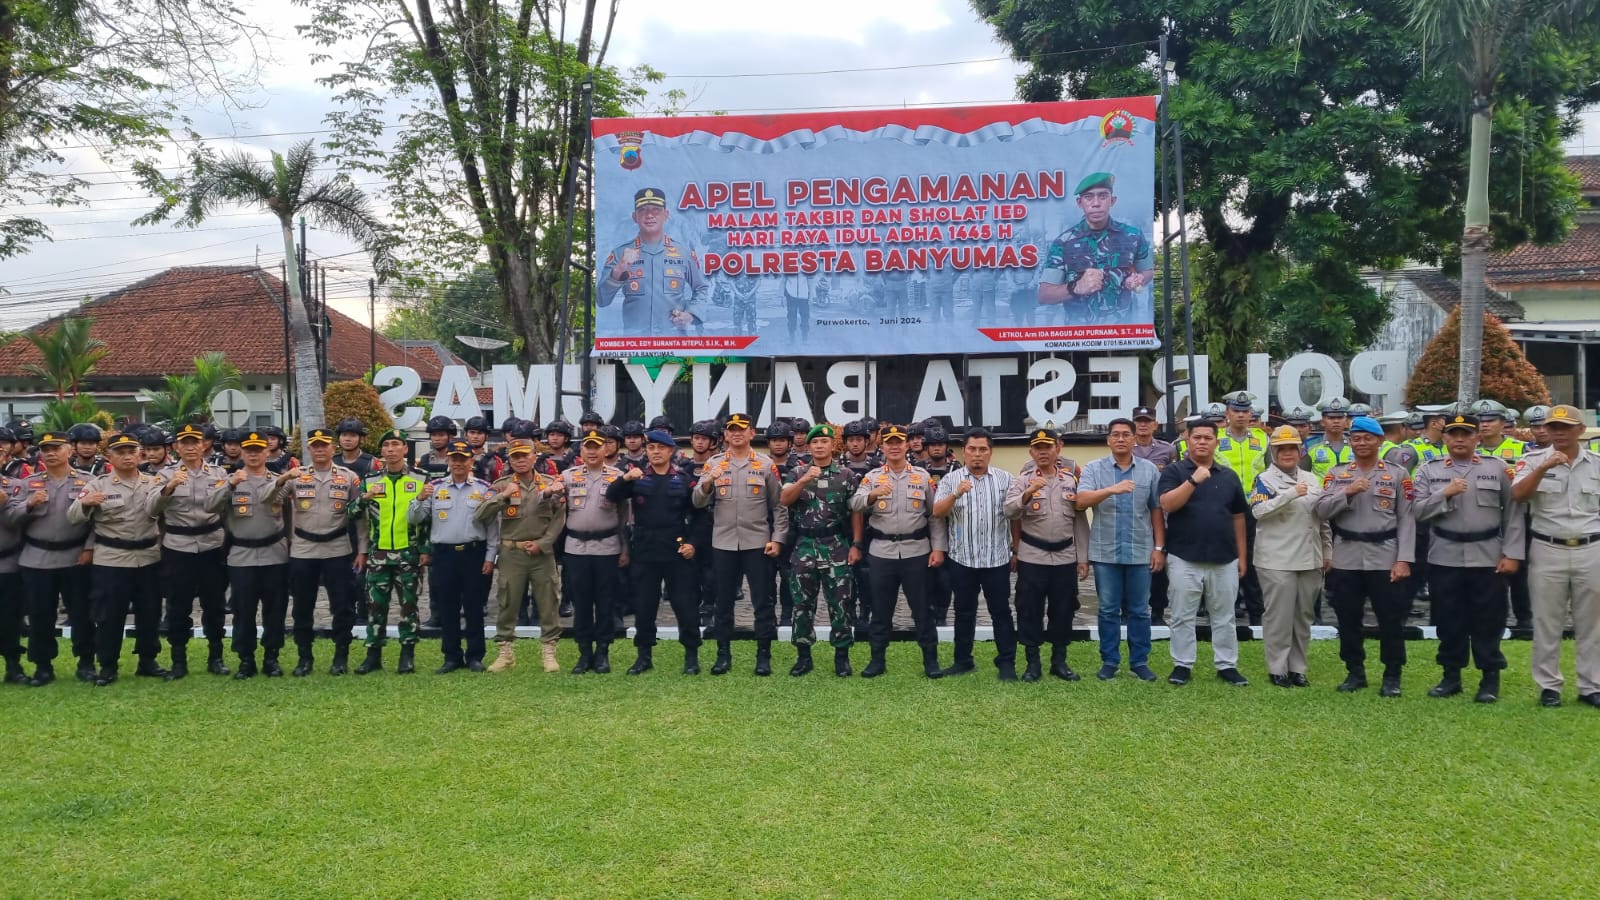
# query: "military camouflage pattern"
{"points": [[820, 523], [1120, 249], [395, 572]]}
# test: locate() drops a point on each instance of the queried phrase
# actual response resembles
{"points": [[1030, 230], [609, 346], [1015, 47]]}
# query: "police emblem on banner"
{"points": [[1117, 128], [631, 155]]}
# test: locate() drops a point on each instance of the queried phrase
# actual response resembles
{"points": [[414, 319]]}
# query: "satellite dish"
{"points": [[482, 343]]}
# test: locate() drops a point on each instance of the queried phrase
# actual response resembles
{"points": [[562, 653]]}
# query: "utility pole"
{"points": [[372, 324]]}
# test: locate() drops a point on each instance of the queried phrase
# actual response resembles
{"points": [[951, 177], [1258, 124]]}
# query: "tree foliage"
{"points": [[358, 399], [64, 412], [1304, 163], [69, 354], [187, 398], [1507, 376], [477, 166], [441, 311]]}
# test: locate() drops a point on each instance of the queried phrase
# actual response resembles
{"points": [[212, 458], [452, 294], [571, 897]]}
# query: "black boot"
{"points": [[247, 668], [86, 673], [1058, 663], [149, 668], [841, 663], [1008, 669], [373, 662], [302, 666], [1489, 687], [214, 663], [1032, 672], [602, 658], [105, 677], [1391, 684], [802, 660], [763, 658], [408, 660], [14, 672], [876, 665], [645, 662], [724, 663], [585, 658], [930, 663], [270, 667], [1448, 686], [42, 675], [691, 660], [180, 662], [1355, 681], [341, 659]]}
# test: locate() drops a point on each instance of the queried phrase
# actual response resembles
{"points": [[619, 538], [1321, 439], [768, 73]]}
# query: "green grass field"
{"points": [[558, 786]]}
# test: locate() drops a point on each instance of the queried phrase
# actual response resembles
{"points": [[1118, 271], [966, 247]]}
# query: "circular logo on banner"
{"points": [[1117, 127]]}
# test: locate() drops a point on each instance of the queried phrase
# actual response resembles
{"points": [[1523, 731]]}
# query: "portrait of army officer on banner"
{"points": [[1096, 269], [660, 282]]}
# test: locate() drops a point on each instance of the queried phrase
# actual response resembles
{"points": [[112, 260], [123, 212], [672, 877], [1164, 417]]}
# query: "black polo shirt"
{"points": [[1202, 531]]}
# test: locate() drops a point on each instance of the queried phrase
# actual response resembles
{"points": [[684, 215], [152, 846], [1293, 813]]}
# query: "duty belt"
{"points": [[1365, 537], [876, 535], [1466, 537], [462, 548], [581, 535], [320, 538], [822, 531], [1046, 546], [193, 530], [123, 544], [257, 543], [43, 544], [1568, 542]]}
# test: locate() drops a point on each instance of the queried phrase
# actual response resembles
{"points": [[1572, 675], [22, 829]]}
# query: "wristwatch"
{"points": [[1160, 549]]}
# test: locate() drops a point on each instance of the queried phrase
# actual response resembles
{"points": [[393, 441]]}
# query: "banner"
{"points": [[985, 229]]}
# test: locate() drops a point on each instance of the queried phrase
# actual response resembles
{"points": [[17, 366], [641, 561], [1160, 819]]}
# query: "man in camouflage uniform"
{"points": [[398, 551], [1099, 265], [815, 519]]}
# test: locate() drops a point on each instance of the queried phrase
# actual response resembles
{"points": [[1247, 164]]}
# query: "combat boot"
{"points": [[214, 663], [270, 667], [547, 654], [302, 666], [802, 662], [1031, 672], [341, 659], [602, 658], [841, 662], [373, 662], [930, 663], [86, 673], [1391, 684], [1058, 663], [149, 668], [1489, 687], [876, 665], [408, 660], [585, 658], [764, 658], [106, 677], [1355, 681], [14, 673], [1007, 669], [505, 657], [247, 668], [691, 660], [724, 663], [644, 663], [180, 662], [1449, 686]]}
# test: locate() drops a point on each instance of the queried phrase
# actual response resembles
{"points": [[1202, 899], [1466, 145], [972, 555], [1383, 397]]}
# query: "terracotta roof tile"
{"points": [[1587, 168], [1446, 292], [1575, 259], [157, 327]]}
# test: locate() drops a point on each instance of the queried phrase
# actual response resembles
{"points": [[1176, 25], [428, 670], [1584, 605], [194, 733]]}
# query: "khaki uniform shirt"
{"points": [[1566, 503], [524, 512], [10, 533], [48, 523], [320, 507], [588, 510], [1289, 536], [253, 511], [907, 510], [1385, 506], [453, 511], [1485, 507], [185, 509], [1048, 517], [126, 515], [743, 496]]}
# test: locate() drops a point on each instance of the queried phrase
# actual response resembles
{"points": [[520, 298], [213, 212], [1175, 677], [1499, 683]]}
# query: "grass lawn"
{"points": [[536, 785]]}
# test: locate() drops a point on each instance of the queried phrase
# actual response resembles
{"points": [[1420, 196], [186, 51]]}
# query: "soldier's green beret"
{"points": [[1094, 180], [393, 434], [821, 429]]}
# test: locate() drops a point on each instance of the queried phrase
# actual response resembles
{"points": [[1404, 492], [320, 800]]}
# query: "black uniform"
{"points": [[661, 512]]}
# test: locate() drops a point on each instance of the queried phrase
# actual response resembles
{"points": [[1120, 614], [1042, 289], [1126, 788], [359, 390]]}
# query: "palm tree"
{"points": [[69, 355], [187, 397], [285, 188]]}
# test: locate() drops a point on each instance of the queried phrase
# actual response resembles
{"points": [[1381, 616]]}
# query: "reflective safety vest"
{"points": [[386, 513], [1509, 449], [1426, 450], [1247, 457], [1324, 457]]}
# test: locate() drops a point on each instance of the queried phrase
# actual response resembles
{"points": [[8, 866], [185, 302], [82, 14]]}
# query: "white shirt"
{"points": [[980, 533]]}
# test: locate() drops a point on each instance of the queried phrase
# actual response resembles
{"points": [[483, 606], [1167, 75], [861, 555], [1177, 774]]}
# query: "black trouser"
{"points": [[861, 597], [1521, 600], [995, 582], [1348, 591], [889, 577], [593, 582], [1419, 572], [333, 573], [1046, 590], [677, 576], [1469, 608], [1250, 595], [1158, 594], [457, 587], [186, 577], [799, 315], [12, 601], [705, 581], [782, 568], [940, 588], [262, 588], [113, 591], [732, 567], [45, 587]]}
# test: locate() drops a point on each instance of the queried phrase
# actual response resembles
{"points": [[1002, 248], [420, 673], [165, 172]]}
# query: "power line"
{"points": [[899, 68]]}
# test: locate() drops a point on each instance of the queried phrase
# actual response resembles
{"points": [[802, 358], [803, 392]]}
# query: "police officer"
{"points": [[1465, 499], [1099, 265], [251, 503], [1561, 486], [350, 433], [633, 454], [593, 553], [557, 435], [435, 463], [1243, 448], [1332, 450], [702, 445], [11, 592], [780, 449], [86, 456], [230, 457], [530, 519], [937, 460], [904, 542], [826, 535], [741, 488], [19, 457], [1052, 554], [1367, 503], [1493, 442], [859, 459], [1295, 549], [120, 506], [153, 446], [485, 465], [279, 458], [193, 561], [661, 556], [54, 559], [397, 551], [464, 554], [661, 284], [321, 550]]}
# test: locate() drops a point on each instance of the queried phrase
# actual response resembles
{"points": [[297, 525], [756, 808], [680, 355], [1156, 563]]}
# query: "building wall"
{"points": [[1572, 302], [1414, 318]]}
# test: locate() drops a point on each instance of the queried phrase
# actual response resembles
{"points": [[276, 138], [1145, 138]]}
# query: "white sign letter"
{"points": [[1056, 377], [1124, 389], [989, 372], [406, 385], [940, 394]]}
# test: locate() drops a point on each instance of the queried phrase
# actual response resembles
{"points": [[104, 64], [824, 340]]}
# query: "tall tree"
{"points": [[69, 354], [479, 166], [1302, 164], [286, 188], [469, 305]]}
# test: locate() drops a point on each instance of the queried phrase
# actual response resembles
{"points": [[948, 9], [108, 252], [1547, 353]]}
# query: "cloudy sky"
{"points": [[718, 52]]}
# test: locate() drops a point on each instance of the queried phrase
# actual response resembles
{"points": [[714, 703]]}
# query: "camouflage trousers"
{"points": [[819, 566], [384, 577]]}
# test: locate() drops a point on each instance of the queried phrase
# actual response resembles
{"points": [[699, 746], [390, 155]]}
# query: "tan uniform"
{"points": [[1291, 545], [743, 496], [253, 511], [525, 514], [1372, 530], [319, 501], [126, 535], [900, 535], [1564, 566], [1054, 537], [124, 575], [193, 566], [187, 526]]}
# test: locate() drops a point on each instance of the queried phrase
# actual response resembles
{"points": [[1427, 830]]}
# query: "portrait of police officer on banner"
{"points": [[1096, 270], [660, 281]]}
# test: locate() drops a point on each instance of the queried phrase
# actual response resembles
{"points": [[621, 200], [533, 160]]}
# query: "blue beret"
{"points": [[1367, 424], [660, 436]]}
